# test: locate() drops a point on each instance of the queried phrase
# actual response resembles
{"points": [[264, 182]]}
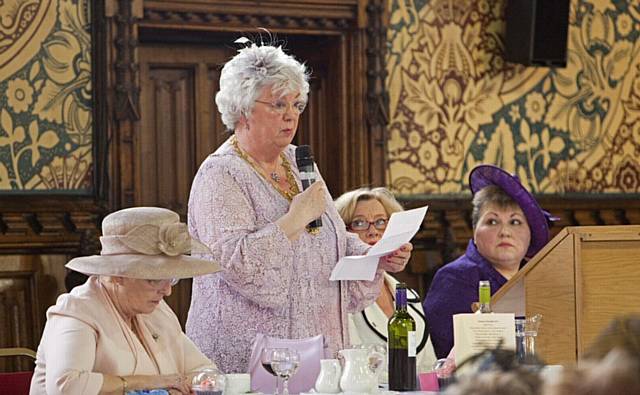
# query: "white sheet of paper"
{"points": [[473, 333], [402, 226]]}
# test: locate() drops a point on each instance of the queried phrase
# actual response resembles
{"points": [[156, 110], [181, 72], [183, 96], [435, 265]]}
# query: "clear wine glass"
{"points": [[444, 369], [266, 359], [285, 363]]}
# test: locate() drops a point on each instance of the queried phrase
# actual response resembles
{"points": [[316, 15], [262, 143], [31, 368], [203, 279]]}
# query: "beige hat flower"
{"points": [[146, 243]]}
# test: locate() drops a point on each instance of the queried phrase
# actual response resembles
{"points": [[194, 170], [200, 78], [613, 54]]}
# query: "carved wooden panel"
{"points": [[322, 125], [179, 124], [239, 15], [19, 313], [165, 144], [49, 225], [209, 118]]}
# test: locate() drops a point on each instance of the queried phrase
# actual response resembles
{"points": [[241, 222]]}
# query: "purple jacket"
{"points": [[453, 290]]}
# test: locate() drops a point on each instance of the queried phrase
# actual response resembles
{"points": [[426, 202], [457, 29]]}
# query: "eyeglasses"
{"points": [[363, 224], [159, 284], [281, 106]]}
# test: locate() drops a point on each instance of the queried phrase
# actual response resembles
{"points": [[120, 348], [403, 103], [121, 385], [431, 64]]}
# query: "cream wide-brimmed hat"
{"points": [[145, 243]]}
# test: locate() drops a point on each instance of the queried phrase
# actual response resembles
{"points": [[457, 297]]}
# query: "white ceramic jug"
{"points": [[357, 376], [328, 381]]}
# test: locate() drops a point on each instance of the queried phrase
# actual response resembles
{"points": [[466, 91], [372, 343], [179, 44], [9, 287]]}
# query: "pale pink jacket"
{"points": [[85, 337]]}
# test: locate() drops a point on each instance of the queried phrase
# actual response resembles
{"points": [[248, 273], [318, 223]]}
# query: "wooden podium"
{"points": [[581, 280]]}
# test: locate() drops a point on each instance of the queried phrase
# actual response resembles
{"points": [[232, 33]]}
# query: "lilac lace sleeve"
{"points": [[257, 258]]}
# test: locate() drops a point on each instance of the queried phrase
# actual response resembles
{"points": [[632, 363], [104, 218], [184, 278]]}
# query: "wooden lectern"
{"points": [[579, 282]]}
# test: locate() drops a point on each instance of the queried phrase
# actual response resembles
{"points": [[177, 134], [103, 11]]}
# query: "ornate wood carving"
{"points": [[178, 128], [123, 88], [285, 16], [18, 306], [166, 19], [125, 42], [377, 95], [49, 226]]}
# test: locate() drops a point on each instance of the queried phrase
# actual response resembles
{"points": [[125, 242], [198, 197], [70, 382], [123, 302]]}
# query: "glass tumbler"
{"points": [[526, 333]]}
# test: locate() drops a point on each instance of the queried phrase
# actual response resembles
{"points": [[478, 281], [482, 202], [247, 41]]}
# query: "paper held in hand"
{"points": [[402, 226], [474, 333]]}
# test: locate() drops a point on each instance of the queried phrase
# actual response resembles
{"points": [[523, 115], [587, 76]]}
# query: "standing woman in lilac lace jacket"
{"points": [[246, 206]]}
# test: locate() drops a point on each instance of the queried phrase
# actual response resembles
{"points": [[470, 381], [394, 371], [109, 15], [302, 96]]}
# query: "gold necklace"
{"points": [[293, 186]]}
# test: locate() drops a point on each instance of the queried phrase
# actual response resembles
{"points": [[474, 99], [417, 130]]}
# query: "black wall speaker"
{"points": [[537, 32]]}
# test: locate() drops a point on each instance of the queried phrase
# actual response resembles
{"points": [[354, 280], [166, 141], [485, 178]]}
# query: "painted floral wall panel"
{"points": [[45, 96], [456, 103]]}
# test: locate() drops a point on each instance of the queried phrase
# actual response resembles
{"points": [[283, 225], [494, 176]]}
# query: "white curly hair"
{"points": [[253, 68]]}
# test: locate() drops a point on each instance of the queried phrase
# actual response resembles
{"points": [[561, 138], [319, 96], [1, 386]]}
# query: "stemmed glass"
{"points": [[266, 359], [285, 363], [444, 369]]}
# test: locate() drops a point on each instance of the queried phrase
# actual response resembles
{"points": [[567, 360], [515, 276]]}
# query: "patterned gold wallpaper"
{"points": [[455, 102], [45, 96]]}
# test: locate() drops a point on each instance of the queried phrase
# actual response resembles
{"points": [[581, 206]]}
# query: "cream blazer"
{"points": [[85, 338], [370, 326]]}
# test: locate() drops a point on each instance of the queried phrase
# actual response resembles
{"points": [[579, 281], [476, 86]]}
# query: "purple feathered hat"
{"points": [[485, 175]]}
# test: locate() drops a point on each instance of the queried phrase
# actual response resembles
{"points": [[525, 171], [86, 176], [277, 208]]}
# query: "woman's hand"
{"points": [[310, 203], [305, 207], [397, 260], [178, 383]]}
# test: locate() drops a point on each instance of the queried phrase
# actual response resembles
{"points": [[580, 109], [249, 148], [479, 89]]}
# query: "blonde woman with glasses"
{"points": [[366, 213]]}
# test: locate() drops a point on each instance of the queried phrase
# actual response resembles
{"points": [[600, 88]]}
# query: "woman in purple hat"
{"points": [[508, 227]]}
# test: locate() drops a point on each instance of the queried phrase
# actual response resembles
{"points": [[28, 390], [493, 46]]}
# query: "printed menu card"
{"points": [[474, 333]]}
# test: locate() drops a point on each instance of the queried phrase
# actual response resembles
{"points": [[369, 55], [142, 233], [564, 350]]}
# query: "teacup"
{"points": [[237, 383]]}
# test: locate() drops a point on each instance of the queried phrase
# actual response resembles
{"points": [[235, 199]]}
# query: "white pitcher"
{"points": [[328, 380], [357, 376]]}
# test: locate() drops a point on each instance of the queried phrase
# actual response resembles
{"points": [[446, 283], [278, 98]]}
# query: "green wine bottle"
{"points": [[402, 345]]}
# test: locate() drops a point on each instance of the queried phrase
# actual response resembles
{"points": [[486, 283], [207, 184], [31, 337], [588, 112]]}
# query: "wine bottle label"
{"points": [[411, 343]]}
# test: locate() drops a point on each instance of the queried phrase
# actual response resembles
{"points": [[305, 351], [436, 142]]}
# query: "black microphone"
{"points": [[304, 160]]}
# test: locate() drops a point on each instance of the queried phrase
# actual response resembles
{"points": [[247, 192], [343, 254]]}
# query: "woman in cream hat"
{"points": [[115, 333]]}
